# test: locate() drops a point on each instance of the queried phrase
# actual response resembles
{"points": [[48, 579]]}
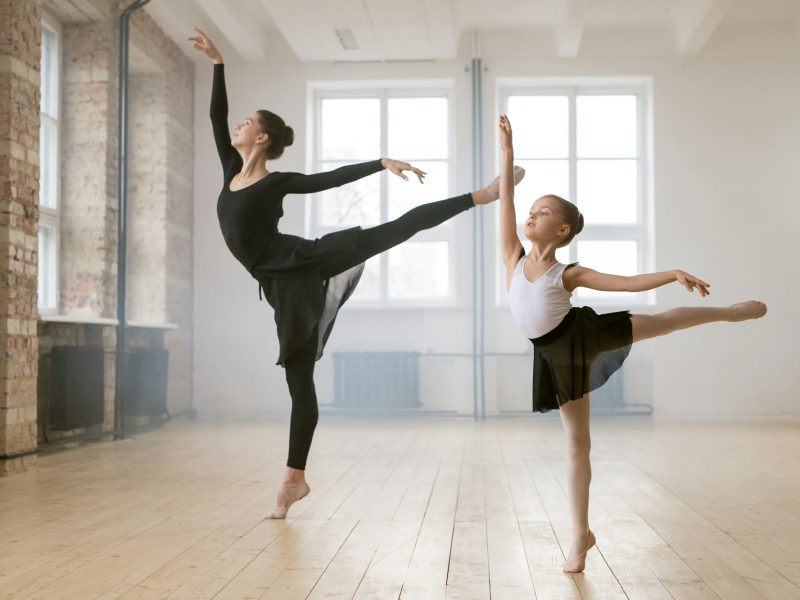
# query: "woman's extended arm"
{"points": [[219, 102], [298, 183], [582, 277], [509, 240]]}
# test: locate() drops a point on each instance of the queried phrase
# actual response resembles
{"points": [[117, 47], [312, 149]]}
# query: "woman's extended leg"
{"points": [[374, 240], [300, 377], [649, 326], [575, 418]]}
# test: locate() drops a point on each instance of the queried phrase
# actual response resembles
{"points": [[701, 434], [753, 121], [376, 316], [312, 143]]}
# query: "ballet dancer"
{"points": [[576, 350], [305, 281]]}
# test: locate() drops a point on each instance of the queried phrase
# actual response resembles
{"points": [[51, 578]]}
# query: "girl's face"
{"points": [[248, 132], [545, 223]]}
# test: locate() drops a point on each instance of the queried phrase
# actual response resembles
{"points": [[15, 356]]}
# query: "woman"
{"points": [[305, 281], [575, 349]]}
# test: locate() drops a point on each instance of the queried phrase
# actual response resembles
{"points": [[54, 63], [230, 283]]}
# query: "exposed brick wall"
{"points": [[89, 169], [20, 39]]}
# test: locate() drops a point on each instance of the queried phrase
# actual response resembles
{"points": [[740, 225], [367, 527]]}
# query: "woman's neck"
{"points": [[254, 163]]}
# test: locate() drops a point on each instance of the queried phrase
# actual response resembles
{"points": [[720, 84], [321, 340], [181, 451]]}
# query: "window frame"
{"points": [[51, 217], [642, 230], [385, 91]]}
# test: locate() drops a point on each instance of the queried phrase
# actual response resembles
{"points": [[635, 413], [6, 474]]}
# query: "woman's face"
{"points": [[248, 133]]}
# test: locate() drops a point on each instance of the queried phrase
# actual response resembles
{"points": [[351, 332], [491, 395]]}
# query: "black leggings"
{"points": [[300, 365]]}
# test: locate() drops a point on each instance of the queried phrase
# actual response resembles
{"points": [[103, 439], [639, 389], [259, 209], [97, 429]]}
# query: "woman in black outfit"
{"points": [[305, 281]]}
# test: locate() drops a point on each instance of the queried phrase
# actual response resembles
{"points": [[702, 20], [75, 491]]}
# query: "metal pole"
{"points": [[122, 208], [478, 283]]}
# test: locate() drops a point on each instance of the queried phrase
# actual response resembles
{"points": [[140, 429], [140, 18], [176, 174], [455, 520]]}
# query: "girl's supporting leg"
{"points": [[305, 414], [575, 418], [649, 326]]}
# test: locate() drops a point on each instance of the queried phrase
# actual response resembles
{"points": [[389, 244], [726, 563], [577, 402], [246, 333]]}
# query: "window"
{"points": [[49, 167], [410, 125], [586, 145]]}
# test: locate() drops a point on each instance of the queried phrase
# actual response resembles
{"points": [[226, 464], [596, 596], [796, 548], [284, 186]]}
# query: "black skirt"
{"points": [[305, 303], [578, 356]]}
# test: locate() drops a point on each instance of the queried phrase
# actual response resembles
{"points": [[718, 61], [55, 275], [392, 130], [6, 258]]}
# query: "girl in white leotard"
{"points": [[575, 349]]}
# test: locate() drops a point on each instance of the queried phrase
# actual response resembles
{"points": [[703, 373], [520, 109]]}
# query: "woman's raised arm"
{"points": [[510, 245]]}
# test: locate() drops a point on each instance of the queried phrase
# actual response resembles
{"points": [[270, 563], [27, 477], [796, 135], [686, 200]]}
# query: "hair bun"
{"points": [[580, 223], [288, 134]]}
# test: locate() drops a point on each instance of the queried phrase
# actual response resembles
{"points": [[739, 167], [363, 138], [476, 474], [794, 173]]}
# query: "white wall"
{"points": [[726, 150]]}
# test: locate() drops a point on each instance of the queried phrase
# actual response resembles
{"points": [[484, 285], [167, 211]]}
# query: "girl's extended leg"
{"points": [[300, 377], [575, 418], [649, 326]]}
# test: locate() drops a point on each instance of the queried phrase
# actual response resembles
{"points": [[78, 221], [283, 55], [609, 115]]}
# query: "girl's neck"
{"points": [[541, 254]]}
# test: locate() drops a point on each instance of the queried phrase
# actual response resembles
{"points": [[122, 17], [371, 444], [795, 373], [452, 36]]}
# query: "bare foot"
{"points": [[492, 191], [752, 309], [288, 495], [577, 558]]}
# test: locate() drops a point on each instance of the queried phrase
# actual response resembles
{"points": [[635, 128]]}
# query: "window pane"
{"points": [[606, 126], [47, 262], [417, 128], [405, 195], [48, 167], [613, 257], [540, 125], [369, 286], [541, 177], [419, 270], [49, 71], [357, 203], [351, 128], [607, 191]]}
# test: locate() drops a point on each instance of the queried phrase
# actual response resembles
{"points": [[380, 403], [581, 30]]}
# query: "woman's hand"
{"points": [[690, 282], [206, 46], [398, 166], [506, 142]]}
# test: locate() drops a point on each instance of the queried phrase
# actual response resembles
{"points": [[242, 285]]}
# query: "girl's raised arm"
{"points": [[510, 244]]}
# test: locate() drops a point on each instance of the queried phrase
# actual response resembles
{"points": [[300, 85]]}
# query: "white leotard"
{"points": [[538, 306]]}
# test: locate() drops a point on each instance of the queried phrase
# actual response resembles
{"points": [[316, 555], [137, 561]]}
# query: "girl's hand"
{"points": [[506, 143], [398, 166], [690, 282], [206, 46]]}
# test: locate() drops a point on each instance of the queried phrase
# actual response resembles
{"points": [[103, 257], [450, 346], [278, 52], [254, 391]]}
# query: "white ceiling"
{"points": [[432, 29]]}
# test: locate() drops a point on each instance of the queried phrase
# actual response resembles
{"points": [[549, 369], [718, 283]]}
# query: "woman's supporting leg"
{"points": [[649, 326], [305, 414], [575, 418]]}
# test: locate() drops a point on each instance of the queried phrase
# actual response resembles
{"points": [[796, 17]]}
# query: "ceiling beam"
{"points": [[569, 26], [243, 34], [701, 19]]}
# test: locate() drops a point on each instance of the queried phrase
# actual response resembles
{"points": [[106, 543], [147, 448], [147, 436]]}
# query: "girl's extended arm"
{"points": [[510, 245], [298, 183], [582, 277]]}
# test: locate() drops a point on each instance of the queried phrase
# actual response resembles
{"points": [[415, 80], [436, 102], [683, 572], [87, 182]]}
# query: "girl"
{"points": [[576, 350], [305, 281]]}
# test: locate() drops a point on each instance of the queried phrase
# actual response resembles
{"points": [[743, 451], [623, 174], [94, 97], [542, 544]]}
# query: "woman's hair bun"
{"points": [[580, 223], [288, 134]]}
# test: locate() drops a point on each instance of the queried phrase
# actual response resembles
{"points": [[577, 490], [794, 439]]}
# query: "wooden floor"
{"points": [[415, 508]]}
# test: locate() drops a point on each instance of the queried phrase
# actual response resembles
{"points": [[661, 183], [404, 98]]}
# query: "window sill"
{"points": [[81, 320]]}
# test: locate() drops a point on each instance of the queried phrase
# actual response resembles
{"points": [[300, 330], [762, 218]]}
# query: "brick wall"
{"points": [[20, 33]]}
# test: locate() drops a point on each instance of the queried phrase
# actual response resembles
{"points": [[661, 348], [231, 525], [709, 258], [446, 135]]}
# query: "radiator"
{"points": [[376, 379], [146, 382], [76, 387]]}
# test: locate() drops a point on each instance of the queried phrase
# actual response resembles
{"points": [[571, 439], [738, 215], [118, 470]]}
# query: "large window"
{"points": [[49, 167], [410, 125], [588, 146]]}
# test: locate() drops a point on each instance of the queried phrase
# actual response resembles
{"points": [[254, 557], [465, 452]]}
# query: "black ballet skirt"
{"points": [[578, 356], [288, 268]]}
